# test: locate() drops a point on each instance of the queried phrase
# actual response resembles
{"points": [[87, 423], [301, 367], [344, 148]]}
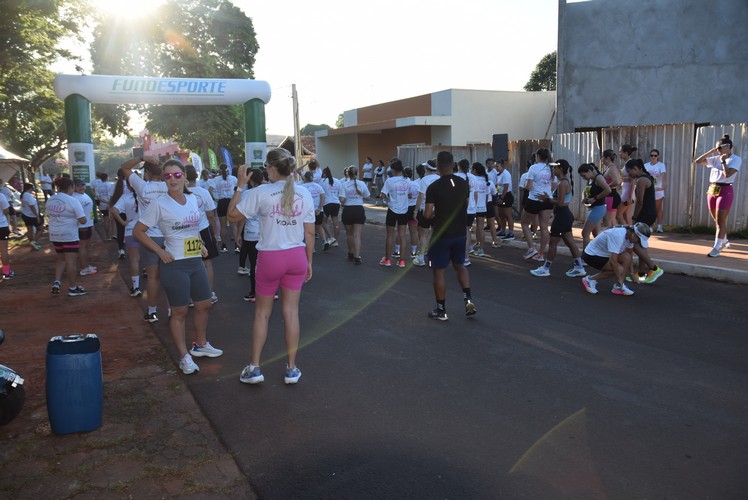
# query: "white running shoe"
{"points": [[589, 285], [531, 252], [714, 252], [187, 365], [621, 290], [206, 350], [242, 271], [576, 272], [541, 271]]}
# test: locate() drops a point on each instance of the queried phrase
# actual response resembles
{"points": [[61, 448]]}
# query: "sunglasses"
{"points": [[653, 156], [176, 175]]}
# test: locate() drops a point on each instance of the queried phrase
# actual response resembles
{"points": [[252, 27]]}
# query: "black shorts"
{"points": [[353, 215], [394, 219], [4, 233], [410, 212], [563, 219], [536, 206], [594, 260], [209, 240], [331, 209], [11, 210], [648, 219], [422, 222], [470, 220], [507, 201], [30, 221], [481, 214], [85, 233], [318, 219], [223, 207]]}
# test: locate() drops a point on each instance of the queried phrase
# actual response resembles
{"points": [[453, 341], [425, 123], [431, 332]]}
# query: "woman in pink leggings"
{"points": [[284, 255], [724, 169]]}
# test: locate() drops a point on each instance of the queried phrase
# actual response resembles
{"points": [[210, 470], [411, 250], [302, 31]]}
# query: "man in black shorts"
{"points": [[446, 207]]}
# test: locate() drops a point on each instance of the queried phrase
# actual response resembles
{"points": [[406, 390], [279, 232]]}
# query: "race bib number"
{"points": [[714, 190], [193, 247]]}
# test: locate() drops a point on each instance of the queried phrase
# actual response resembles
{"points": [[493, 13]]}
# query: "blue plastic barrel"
{"points": [[75, 383]]}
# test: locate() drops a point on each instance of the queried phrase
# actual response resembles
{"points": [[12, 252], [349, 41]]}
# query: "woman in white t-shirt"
{"points": [[658, 171], [64, 213], [331, 207], [222, 190], [318, 196], [539, 182], [182, 272], [724, 166], [4, 237], [284, 255], [352, 196], [207, 222], [250, 236], [45, 182], [125, 213], [30, 215]]}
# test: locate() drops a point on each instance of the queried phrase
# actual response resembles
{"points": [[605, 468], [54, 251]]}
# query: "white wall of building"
{"points": [[478, 114], [337, 152]]}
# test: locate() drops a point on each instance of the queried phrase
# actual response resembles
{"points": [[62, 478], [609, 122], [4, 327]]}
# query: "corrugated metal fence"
{"points": [[686, 184]]}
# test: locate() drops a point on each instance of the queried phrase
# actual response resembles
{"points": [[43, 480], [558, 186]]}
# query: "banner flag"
{"points": [[227, 158], [197, 162], [213, 159]]}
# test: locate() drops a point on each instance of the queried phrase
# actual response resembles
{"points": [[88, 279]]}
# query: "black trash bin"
{"points": [[75, 383]]}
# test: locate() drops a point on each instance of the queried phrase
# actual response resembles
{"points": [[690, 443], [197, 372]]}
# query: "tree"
{"points": [[339, 123], [310, 129], [31, 116], [543, 77], [179, 39]]}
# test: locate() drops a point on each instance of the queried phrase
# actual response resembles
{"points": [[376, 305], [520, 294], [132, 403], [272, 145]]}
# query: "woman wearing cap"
{"points": [[594, 198], [285, 251], [563, 219], [724, 166], [611, 254], [623, 216], [658, 171], [612, 176], [645, 212], [183, 275], [352, 194]]}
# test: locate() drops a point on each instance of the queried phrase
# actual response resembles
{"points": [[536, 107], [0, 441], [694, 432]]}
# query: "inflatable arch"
{"points": [[79, 91]]}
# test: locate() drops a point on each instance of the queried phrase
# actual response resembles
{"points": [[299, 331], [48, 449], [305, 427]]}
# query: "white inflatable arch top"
{"points": [[108, 89]]}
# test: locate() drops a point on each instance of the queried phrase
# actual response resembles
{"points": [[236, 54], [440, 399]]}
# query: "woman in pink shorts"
{"points": [[284, 257], [724, 167]]}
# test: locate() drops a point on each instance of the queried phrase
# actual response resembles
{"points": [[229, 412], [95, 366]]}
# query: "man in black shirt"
{"points": [[446, 206]]}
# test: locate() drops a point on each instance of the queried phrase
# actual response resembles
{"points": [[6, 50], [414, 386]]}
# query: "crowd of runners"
{"points": [[170, 221]]}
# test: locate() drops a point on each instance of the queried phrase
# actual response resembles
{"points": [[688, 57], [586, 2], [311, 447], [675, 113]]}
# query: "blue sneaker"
{"points": [[205, 350], [251, 375], [292, 375]]}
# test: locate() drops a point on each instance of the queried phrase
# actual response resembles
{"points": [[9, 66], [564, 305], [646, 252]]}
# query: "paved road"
{"points": [[546, 393]]}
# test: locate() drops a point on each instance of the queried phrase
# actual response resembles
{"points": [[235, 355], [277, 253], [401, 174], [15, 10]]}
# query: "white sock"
{"points": [[151, 310]]}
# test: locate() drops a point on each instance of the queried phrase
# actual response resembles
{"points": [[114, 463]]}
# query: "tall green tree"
{"points": [[543, 77], [180, 39], [31, 116]]}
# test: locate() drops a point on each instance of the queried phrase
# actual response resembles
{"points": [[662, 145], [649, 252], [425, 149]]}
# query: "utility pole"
{"points": [[296, 130]]}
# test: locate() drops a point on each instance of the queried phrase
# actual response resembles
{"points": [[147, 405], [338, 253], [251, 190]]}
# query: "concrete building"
{"points": [[645, 62], [451, 117]]}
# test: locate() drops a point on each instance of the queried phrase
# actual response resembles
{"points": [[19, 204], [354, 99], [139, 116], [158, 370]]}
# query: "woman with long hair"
{"points": [[724, 165], [623, 216], [539, 181], [612, 175], [594, 198], [125, 212], [285, 251], [119, 189], [250, 237], [331, 207], [318, 196], [481, 186], [352, 194], [563, 220], [65, 213], [645, 211], [183, 274]]}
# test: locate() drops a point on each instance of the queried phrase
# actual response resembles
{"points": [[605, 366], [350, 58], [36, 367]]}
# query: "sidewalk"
{"points": [[675, 252]]}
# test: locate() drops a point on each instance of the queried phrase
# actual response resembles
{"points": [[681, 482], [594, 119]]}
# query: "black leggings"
{"points": [[249, 248]]}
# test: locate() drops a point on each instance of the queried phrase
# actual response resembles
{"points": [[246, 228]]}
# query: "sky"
{"points": [[344, 55]]}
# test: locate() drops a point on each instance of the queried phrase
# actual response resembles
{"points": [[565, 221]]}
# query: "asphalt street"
{"points": [[548, 392]]}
